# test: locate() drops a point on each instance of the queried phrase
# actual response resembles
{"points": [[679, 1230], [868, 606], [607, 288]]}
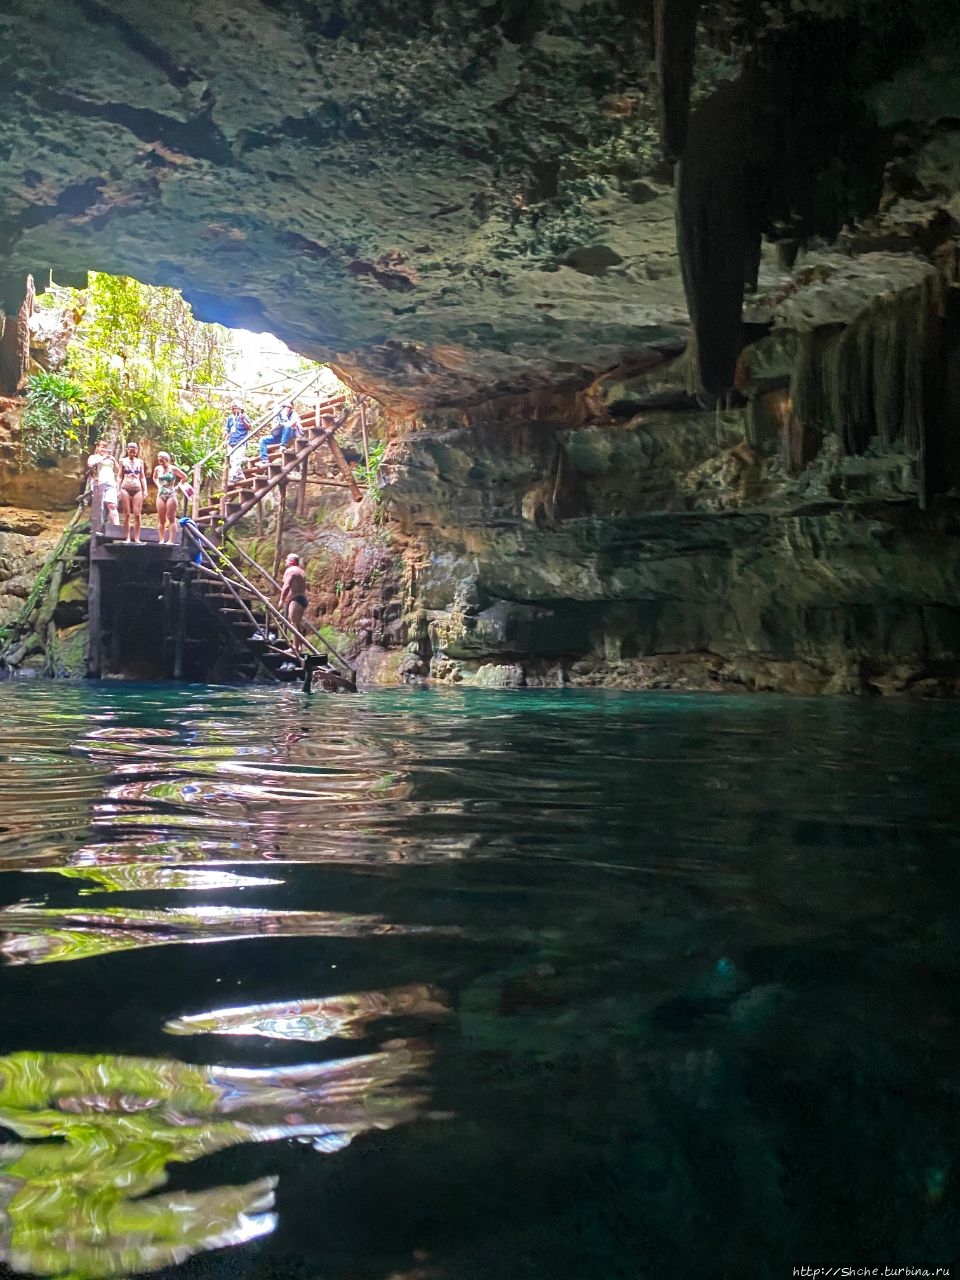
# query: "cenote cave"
{"points": [[479, 639]]}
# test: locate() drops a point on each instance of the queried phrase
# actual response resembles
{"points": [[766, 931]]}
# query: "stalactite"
{"points": [[751, 422], [868, 379], [15, 344], [717, 227], [9, 356], [675, 31], [793, 453], [806, 382]]}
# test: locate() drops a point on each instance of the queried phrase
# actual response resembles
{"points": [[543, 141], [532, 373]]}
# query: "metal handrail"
{"points": [[276, 584], [271, 612], [206, 546]]}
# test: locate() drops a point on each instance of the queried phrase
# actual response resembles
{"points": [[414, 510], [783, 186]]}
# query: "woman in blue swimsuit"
{"points": [[166, 476]]}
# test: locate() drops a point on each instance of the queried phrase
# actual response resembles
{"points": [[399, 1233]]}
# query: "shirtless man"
{"points": [[294, 596]]}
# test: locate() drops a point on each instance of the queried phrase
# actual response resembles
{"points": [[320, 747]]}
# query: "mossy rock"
{"points": [[342, 641], [66, 655], [73, 591]]}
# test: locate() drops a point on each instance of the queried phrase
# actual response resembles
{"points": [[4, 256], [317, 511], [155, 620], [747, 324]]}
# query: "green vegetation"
{"points": [[52, 419], [139, 365], [339, 641], [37, 609], [98, 1133], [368, 474]]}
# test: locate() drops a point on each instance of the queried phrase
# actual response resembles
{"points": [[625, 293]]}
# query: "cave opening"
{"points": [[188, 428]]}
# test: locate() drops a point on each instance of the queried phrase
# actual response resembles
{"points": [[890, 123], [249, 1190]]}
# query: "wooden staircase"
{"points": [[256, 646], [285, 464], [215, 623], [259, 638]]}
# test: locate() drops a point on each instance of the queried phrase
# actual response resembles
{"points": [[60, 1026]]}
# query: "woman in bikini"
{"points": [[133, 490], [166, 476]]}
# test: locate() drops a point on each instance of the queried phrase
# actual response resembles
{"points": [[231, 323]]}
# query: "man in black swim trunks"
{"points": [[293, 597]]}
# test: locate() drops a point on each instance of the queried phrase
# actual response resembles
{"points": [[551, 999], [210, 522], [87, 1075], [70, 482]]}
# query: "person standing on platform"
{"points": [[133, 490], [103, 470], [167, 477], [293, 597], [237, 430]]}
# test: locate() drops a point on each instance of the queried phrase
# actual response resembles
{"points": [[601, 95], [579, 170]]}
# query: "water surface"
{"points": [[475, 985]]}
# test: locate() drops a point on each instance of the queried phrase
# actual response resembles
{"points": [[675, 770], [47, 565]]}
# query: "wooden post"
{"points": [[181, 633], [195, 500], [344, 467], [93, 617], [167, 618], [116, 638], [366, 447], [278, 545], [96, 513], [302, 495], [224, 481]]}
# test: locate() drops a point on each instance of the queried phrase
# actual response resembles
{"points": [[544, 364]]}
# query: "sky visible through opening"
{"points": [[264, 366]]}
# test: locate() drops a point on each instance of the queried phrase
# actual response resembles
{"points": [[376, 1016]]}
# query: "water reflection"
{"points": [[132, 876], [30, 934], [346, 1017], [75, 1207], [687, 967]]}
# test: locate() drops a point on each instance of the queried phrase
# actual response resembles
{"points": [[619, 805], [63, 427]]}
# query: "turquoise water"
{"points": [[469, 986]]}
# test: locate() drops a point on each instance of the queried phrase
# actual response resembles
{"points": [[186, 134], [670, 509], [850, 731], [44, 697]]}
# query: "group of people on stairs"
{"points": [[124, 485], [286, 426]]}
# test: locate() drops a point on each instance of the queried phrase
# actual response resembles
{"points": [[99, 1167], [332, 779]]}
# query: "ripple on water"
{"points": [[547, 981]]}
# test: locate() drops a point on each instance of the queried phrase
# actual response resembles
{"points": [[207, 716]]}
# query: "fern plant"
{"points": [[52, 417]]}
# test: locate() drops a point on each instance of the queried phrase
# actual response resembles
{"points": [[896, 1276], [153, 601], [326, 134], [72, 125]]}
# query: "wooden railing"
{"points": [[259, 426]]}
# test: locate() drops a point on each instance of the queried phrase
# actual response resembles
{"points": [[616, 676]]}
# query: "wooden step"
{"points": [[279, 658], [236, 495]]}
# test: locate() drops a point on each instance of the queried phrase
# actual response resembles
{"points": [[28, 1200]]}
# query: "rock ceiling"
{"points": [[446, 199]]}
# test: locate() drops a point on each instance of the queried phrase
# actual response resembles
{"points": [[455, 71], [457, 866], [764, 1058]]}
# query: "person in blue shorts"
{"points": [[286, 427]]}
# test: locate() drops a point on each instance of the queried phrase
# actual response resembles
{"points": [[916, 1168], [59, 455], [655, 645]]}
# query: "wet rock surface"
{"points": [[444, 200], [473, 213]]}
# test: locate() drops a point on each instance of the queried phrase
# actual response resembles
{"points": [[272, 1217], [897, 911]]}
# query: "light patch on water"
{"points": [[346, 1016]]}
